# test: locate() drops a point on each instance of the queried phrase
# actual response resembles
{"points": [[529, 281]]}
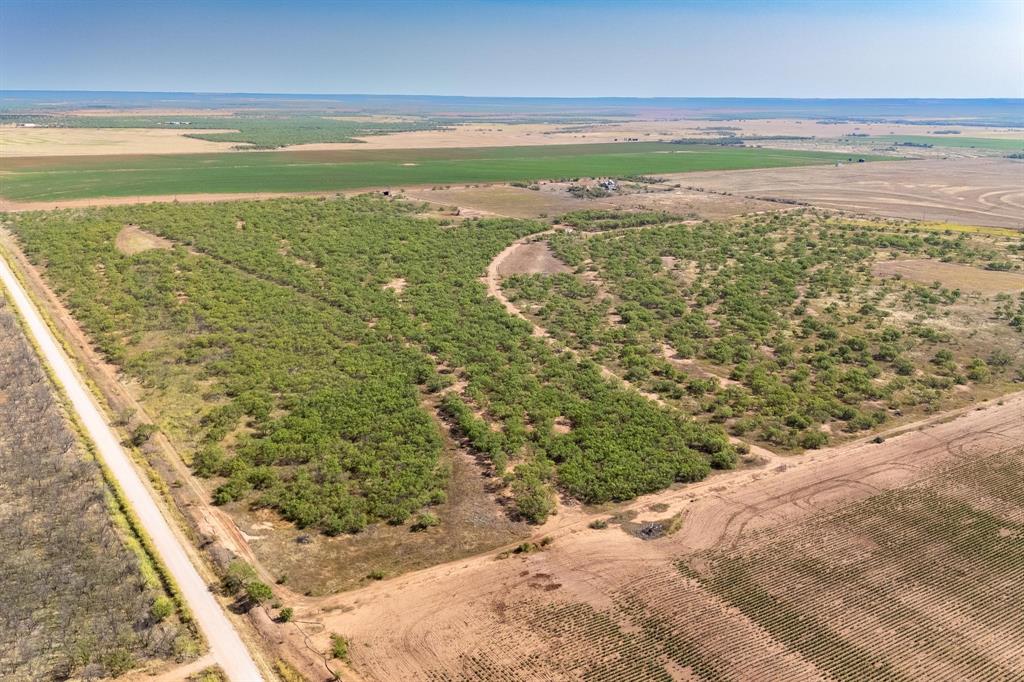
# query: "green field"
{"points": [[47, 179], [996, 144]]}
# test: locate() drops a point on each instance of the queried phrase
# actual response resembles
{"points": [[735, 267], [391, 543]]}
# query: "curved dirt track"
{"points": [[493, 281], [226, 645]]}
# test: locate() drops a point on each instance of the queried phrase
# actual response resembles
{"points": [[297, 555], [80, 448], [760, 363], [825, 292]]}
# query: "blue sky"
{"points": [[936, 48]]}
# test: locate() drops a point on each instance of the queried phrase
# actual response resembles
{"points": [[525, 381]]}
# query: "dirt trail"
{"points": [[225, 643], [177, 674], [493, 281]]}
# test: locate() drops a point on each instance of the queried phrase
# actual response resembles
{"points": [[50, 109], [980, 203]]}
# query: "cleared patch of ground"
{"points": [[516, 202], [396, 285], [806, 571], [967, 191], [17, 142], [952, 275], [531, 258], [553, 198], [131, 240]]}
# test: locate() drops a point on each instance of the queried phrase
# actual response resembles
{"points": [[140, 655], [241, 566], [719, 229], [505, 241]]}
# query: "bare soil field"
{"points": [[19, 142], [968, 191], [900, 560], [953, 275], [693, 204]]}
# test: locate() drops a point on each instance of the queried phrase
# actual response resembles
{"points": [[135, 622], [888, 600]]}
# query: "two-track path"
{"points": [[226, 645]]}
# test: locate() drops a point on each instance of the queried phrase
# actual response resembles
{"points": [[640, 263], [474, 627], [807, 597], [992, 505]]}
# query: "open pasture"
{"points": [[953, 276]]}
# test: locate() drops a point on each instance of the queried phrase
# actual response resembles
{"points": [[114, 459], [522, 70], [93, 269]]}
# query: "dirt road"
{"points": [[225, 643]]}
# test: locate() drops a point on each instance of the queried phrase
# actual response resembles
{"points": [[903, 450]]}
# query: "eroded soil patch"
{"points": [[132, 240]]}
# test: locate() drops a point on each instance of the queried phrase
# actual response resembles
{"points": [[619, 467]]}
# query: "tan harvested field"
{"points": [[516, 202], [553, 199], [966, 191], [953, 275], [20, 142], [498, 134], [900, 560]]}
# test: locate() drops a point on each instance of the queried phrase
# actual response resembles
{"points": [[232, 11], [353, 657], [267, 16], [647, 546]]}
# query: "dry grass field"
{"points": [[20, 142], [902, 560], [553, 199], [952, 275], [968, 191]]}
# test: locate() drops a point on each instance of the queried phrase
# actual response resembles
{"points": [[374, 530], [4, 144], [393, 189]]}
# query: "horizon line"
{"points": [[559, 97]]}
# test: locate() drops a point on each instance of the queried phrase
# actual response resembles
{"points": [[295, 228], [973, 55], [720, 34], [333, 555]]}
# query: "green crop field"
{"points": [[996, 144], [47, 179]]}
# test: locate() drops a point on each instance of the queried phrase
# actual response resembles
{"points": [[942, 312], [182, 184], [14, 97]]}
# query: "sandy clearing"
{"points": [[531, 258], [20, 142], [132, 240], [396, 285], [952, 275], [967, 191], [226, 645]]}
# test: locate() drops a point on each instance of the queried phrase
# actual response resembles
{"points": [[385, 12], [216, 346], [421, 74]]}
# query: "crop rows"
{"points": [[909, 584], [923, 582]]}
